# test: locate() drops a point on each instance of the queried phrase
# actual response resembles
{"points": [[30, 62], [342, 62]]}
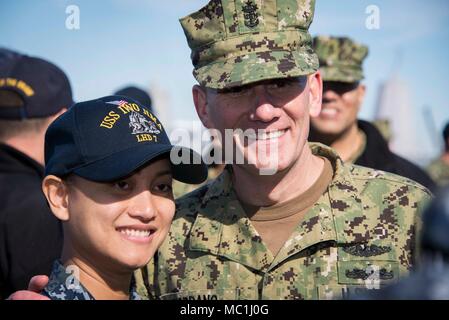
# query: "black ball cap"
{"points": [[43, 87], [109, 138], [136, 94]]}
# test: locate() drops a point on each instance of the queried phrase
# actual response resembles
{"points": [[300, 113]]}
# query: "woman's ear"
{"points": [[315, 94], [56, 192]]}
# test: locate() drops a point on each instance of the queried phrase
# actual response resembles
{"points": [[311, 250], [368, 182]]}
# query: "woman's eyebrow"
{"points": [[163, 173]]}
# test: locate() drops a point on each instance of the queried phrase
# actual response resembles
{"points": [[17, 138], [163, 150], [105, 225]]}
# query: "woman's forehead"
{"points": [[154, 168]]}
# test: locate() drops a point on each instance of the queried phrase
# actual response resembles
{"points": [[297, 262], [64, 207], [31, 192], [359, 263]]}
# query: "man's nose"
{"points": [[142, 206], [264, 109]]}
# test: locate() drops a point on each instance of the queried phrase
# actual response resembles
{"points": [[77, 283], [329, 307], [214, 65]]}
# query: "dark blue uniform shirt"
{"points": [[63, 285]]}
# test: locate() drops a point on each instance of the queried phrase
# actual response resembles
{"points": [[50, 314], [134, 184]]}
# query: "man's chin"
{"points": [[329, 129], [266, 166]]}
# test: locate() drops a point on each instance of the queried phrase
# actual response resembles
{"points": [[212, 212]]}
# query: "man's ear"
{"points": [[56, 192], [315, 94], [200, 101], [361, 89]]}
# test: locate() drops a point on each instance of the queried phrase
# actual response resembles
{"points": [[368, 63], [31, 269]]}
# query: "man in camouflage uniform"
{"points": [[353, 230], [356, 141], [439, 168]]}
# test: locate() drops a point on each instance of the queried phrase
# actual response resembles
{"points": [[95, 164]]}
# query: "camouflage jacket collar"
{"points": [[64, 285], [222, 227], [344, 198]]}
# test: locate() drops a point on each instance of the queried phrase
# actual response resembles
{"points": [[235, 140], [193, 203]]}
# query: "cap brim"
{"points": [[256, 67], [124, 163], [347, 74]]}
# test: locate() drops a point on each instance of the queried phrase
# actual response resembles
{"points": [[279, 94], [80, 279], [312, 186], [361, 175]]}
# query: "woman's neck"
{"points": [[101, 284]]}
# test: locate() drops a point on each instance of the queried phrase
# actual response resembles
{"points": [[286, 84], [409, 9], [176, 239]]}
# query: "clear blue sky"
{"points": [[141, 42]]}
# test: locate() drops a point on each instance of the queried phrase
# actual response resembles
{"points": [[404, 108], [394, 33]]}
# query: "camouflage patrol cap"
{"points": [[237, 42], [340, 58]]}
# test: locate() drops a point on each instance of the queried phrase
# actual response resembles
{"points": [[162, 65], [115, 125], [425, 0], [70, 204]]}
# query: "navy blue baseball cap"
{"points": [[43, 87], [7, 59], [137, 94], [107, 139]]}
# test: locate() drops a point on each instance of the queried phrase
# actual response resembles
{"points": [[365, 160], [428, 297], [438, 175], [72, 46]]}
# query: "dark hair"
{"points": [[11, 128]]}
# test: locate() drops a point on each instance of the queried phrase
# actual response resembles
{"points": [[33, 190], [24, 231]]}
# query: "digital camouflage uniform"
{"points": [[359, 235], [63, 285], [340, 58], [439, 171]]}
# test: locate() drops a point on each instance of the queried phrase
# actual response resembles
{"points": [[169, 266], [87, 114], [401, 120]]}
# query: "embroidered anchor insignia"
{"points": [[250, 14]]}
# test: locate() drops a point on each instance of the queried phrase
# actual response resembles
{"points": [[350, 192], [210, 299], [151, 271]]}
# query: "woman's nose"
{"points": [[141, 206]]}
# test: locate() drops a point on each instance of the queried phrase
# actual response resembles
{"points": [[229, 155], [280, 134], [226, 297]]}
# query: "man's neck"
{"points": [[263, 191], [100, 284], [347, 143], [31, 145]]}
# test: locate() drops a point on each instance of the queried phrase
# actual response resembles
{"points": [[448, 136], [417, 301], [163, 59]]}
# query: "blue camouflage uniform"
{"points": [[64, 286]]}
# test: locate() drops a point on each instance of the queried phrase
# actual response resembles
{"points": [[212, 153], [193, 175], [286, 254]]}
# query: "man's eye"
{"points": [[122, 185], [236, 91], [290, 83], [281, 84]]}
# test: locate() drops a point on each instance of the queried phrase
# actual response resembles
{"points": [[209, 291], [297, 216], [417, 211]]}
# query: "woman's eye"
{"points": [[122, 185], [165, 188]]}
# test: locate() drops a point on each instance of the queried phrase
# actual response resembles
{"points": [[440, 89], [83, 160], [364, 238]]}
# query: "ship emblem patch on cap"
{"points": [[141, 125], [250, 14], [145, 126]]}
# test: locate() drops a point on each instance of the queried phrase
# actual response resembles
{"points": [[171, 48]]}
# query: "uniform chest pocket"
{"points": [[357, 278], [361, 268], [369, 265], [369, 273]]}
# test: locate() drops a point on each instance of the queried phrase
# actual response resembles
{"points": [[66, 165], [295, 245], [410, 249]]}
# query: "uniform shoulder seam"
{"points": [[387, 176]]}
